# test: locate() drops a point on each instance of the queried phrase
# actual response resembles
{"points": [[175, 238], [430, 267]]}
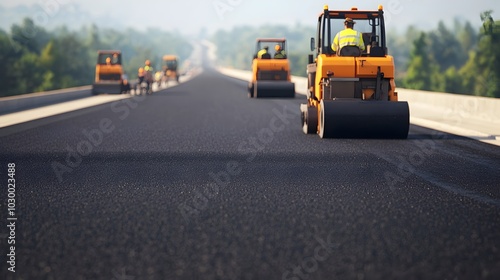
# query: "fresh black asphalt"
{"points": [[199, 182]]}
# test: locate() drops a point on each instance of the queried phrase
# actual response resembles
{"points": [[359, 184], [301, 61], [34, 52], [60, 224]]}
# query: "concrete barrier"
{"points": [[17, 103], [480, 108]]}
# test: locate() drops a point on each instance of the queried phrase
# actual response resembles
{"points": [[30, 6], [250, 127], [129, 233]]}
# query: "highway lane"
{"points": [[199, 182]]}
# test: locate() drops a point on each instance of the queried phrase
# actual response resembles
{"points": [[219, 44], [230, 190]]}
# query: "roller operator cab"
{"points": [[170, 65], [351, 94], [109, 75], [271, 70]]}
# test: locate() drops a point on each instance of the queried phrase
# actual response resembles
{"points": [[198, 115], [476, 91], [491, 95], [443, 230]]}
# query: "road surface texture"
{"points": [[199, 182]]}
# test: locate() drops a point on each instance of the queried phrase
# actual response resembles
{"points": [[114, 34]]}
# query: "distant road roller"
{"points": [[170, 64], [109, 74], [352, 93], [271, 70]]}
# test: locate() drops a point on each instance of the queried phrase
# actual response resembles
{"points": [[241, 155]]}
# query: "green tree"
{"points": [[489, 56], [468, 74], [399, 46], [29, 36], [467, 36], [481, 74], [8, 59], [71, 66], [422, 70], [37, 60], [46, 64], [452, 81], [27, 72], [445, 48]]}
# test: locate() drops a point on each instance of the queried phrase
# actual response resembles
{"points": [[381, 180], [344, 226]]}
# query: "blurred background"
{"points": [[51, 44]]}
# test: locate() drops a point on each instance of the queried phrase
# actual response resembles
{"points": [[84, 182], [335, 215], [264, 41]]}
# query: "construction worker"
{"points": [[115, 58], [348, 37], [147, 66], [125, 83], [158, 76], [148, 75], [108, 60], [280, 54], [140, 75], [140, 78], [262, 52]]}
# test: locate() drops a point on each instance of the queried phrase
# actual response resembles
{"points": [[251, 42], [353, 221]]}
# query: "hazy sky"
{"points": [[190, 16]]}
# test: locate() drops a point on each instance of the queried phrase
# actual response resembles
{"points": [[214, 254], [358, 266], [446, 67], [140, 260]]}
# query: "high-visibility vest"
{"points": [[261, 52], [148, 73], [348, 37]]}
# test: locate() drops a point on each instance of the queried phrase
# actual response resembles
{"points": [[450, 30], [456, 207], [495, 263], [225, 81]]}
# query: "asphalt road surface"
{"points": [[199, 182]]}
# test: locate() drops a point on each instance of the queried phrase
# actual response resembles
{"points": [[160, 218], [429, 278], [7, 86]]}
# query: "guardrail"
{"points": [[469, 116]]}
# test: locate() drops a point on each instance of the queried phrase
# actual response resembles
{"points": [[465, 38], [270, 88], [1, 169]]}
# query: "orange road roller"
{"points": [[109, 74], [351, 88], [271, 70]]}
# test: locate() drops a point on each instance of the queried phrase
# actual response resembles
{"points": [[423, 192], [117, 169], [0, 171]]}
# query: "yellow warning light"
{"points": [[354, 8], [325, 7], [380, 7]]}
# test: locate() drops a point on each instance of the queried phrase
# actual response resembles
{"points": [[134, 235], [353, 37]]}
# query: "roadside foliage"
{"points": [[39, 60]]}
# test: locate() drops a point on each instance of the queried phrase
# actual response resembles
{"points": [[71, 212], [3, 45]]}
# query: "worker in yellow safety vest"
{"points": [[262, 52], [148, 75], [147, 66], [140, 75], [348, 37]]}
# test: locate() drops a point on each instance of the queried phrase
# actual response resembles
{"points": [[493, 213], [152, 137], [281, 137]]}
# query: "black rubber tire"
{"points": [[251, 88], [323, 129], [310, 121]]}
